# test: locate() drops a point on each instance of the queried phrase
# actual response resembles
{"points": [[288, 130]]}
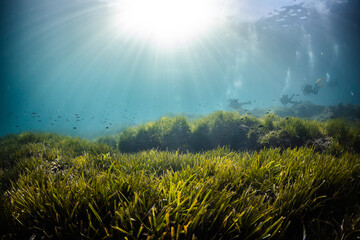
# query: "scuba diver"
{"points": [[285, 99], [308, 89], [233, 103]]}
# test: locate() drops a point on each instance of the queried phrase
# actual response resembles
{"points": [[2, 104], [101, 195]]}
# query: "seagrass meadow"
{"points": [[245, 178]]}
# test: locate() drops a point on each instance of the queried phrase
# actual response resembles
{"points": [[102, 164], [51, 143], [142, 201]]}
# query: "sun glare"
{"points": [[167, 22]]}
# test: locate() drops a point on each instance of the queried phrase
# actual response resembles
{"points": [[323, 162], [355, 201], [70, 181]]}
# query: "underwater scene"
{"points": [[180, 119]]}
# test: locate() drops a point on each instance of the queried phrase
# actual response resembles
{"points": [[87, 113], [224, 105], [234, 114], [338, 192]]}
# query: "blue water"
{"points": [[65, 64]]}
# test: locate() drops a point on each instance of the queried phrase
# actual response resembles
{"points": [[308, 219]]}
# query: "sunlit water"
{"points": [[71, 67]]}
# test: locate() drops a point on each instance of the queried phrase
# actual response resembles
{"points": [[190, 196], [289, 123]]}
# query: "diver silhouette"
{"points": [[308, 89], [233, 103], [285, 99]]}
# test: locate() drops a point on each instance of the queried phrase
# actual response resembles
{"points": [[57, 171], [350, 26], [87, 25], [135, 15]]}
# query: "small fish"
{"points": [[52, 124], [74, 127], [260, 126], [352, 94], [17, 126], [107, 127], [287, 118], [39, 120], [34, 113]]}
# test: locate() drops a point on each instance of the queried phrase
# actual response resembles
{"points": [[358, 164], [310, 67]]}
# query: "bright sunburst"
{"points": [[167, 22]]}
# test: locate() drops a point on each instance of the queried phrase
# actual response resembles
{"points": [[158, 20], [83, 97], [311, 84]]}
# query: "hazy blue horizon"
{"points": [[69, 61]]}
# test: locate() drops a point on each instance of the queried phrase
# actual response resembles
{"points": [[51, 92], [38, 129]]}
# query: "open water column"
{"points": [[94, 67]]}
